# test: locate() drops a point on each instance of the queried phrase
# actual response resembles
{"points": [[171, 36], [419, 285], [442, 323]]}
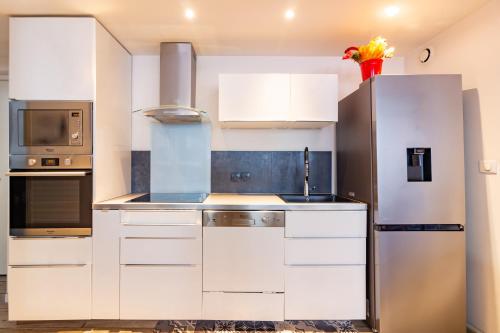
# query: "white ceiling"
{"points": [[254, 27]]}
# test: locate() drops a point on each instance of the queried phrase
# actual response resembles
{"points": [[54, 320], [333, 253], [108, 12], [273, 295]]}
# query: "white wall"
{"points": [[4, 167], [471, 48], [145, 92]]}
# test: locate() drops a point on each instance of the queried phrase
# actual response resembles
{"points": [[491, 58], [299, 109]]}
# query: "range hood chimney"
{"points": [[177, 85]]}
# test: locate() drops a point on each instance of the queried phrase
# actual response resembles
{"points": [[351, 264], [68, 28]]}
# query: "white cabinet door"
{"points": [[160, 292], [52, 58], [50, 251], [325, 292], [156, 251], [313, 97], [254, 97], [321, 224], [60, 292]]}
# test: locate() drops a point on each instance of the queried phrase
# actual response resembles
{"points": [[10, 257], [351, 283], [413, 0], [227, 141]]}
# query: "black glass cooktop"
{"points": [[171, 197]]}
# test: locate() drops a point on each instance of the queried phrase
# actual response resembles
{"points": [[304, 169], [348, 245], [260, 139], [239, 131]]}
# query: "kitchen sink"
{"points": [[313, 198]]}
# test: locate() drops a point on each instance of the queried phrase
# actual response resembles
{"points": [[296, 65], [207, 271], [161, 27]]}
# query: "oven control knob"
{"points": [[31, 161], [75, 135], [67, 161]]}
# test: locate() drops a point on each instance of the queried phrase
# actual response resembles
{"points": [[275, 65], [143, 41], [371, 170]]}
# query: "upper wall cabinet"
{"points": [[52, 58], [277, 100]]}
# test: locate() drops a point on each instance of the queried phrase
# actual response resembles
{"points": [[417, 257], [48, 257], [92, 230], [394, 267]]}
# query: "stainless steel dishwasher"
{"points": [[243, 265]]}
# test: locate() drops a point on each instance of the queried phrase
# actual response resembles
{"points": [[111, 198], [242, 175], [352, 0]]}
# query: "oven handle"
{"points": [[48, 173]]}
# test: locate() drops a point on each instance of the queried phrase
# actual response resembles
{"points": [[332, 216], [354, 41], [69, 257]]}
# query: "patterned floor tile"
{"points": [[224, 326], [244, 326], [205, 325]]}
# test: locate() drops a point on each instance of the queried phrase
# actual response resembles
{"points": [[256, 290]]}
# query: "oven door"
{"points": [[50, 203], [50, 127]]}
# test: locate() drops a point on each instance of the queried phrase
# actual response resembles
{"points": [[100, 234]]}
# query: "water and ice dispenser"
{"points": [[419, 164]]}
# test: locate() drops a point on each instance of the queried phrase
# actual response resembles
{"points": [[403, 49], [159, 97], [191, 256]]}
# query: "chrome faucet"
{"points": [[306, 173]]}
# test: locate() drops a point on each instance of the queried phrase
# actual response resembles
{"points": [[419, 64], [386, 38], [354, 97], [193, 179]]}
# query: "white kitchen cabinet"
{"points": [[51, 292], [325, 251], [254, 97], [313, 97], [52, 58], [277, 100], [159, 251], [50, 278], [50, 251], [325, 292], [160, 264], [325, 258], [160, 292], [321, 224]]}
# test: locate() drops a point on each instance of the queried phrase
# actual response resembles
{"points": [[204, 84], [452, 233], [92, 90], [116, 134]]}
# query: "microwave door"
{"points": [[50, 127]]}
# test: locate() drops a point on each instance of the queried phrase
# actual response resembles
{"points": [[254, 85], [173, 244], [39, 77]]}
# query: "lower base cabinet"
{"points": [[160, 292], [325, 292], [52, 292], [243, 306]]}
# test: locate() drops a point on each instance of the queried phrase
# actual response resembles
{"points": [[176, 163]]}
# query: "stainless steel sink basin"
{"points": [[312, 198]]}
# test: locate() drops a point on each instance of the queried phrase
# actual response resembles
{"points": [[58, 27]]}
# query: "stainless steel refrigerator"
{"points": [[400, 148]]}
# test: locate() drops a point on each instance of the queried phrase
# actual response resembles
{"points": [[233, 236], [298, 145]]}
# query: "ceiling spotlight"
{"points": [[391, 11], [189, 13], [290, 14]]}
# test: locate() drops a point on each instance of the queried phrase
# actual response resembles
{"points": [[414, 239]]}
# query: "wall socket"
{"points": [[240, 176]]}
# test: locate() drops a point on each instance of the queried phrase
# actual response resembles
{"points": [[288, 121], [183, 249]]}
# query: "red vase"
{"points": [[370, 68]]}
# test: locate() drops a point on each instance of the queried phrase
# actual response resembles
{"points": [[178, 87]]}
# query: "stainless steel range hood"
{"points": [[177, 86]]}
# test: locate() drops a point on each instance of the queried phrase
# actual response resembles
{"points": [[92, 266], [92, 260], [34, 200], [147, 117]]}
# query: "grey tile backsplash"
{"points": [[252, 171], [269, 172], [141, 171]]}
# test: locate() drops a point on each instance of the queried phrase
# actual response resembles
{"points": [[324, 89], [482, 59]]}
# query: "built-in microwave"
{"points": [[50, 128]]}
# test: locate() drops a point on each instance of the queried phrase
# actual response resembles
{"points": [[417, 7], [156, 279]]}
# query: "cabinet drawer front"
{"points": [[49, 292], [325, 223], [141, 217], [159, 292], [160, 251], [158, 231], [243, 306], [50, 251], [325, 293], [325, 251]]}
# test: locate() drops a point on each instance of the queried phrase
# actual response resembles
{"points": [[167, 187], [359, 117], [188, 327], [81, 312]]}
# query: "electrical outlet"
{"points": [[245, 176], [235, 177]]}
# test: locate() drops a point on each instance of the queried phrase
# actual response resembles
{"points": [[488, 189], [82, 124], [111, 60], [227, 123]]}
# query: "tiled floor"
{"points": [[153, 326]]}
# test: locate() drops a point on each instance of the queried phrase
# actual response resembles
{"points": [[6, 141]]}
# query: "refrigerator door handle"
{"points": [[419, 227]]}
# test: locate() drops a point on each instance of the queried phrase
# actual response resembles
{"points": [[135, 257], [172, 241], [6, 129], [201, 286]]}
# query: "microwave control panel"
{"points": [[75, 127]]}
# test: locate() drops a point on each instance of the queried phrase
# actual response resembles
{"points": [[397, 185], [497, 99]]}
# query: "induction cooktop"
{"points": [[171, 198]]}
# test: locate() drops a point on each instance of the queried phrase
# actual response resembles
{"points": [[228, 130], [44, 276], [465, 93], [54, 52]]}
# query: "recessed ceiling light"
{"points": [[289, 14], [391, 11], [189, 13]]}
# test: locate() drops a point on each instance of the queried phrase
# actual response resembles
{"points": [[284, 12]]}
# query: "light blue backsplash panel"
{"points": [[180, 158]]}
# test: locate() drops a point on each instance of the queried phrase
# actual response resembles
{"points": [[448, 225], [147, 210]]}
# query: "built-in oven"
{"points": [[50, 127], [50, 203]]}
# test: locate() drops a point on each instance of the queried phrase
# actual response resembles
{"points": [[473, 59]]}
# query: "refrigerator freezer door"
{"points": [[418, 113], [420, 280]]}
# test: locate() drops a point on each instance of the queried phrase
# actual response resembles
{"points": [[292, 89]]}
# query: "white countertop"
{"points": [[226, 202]]}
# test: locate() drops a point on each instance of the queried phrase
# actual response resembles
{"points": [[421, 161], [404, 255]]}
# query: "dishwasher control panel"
{"points": [[243, 218]]}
